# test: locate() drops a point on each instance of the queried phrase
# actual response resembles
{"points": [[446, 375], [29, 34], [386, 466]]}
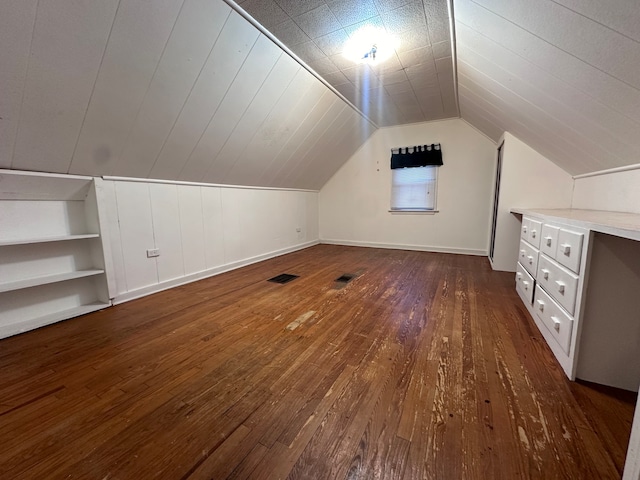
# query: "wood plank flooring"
{"points": [[424, 366]]}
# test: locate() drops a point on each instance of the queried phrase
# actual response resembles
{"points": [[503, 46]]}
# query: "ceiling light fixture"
{"points": [[369, 45]]}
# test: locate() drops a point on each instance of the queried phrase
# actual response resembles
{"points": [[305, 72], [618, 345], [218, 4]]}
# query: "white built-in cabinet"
{"points": [[52, 260], [578, 273]]}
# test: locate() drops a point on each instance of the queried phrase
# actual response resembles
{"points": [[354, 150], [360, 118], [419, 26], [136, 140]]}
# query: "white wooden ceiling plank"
{"points": [[69, 39], [547, 139], [576, 127], [196, 30], [17, 21], [255, 172], [202, 162], [296, 155], [623, 16], [266, 143], [341, 151], [263, 103], [325, 142], [590, 116], [606, 89], [296, 123], [516, 127], [482, 122], [597, 45], [224, 62]]}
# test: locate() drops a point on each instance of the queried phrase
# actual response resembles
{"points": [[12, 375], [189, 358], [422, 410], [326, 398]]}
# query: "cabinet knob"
{"points": [[541, 305], [526, 285], [524, 229], [560, 286], [548, 240], [530, 260], [556, 324], [533, 234], [566, 248], [545, 273]]}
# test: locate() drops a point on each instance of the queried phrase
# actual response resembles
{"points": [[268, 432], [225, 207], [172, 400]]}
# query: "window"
{"points": [[414, 189]]}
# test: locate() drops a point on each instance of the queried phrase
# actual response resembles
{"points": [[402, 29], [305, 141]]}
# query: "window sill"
{"points": [[413, 212]]}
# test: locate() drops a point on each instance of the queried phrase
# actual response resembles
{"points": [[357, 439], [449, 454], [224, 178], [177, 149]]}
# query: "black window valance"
{"points": [[417, 156]]}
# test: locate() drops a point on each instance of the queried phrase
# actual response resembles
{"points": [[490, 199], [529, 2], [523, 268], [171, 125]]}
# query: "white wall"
{"points": [[200, 230], [354, 203], [528, 180], [616, 191]]}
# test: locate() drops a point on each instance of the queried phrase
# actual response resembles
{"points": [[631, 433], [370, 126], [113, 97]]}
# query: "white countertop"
{"points": [[620, 224]]}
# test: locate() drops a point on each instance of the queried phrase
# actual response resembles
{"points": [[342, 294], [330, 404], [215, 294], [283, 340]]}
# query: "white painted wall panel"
{"points": [[224, 62], [68, 41], [615, 191], [167, 234], [192, 228], [214, 237], [254, 71], [191, 41], [136, 235], [136, 43], [17, 19], [355, 202], [623, 16]]}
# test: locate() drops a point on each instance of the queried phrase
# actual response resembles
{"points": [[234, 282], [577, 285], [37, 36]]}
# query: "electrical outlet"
{"points": [[153, 252]]}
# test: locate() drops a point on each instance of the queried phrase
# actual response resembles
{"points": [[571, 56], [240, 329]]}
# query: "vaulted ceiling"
{"points": [[190, 90]]}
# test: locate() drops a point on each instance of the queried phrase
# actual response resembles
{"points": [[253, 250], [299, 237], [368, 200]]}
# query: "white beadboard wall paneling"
{"points": [[300, 122], [299, 150], [136, 234], [481, 120], [214, 236], [255, 70], [572, 68], [327, 146], [17, 20], [68, 43], [512, 110], [165, 209], [193, 36], [116, 277], [225, 60], [192, 228], [138, 38], [279, 124], [586, 123], [265, 100]]}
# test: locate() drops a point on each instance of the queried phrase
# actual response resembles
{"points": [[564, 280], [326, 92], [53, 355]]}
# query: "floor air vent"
{"points": [[346, 278], [283, 278]]}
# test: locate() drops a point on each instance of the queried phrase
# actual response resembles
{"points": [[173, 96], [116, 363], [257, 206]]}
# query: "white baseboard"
{"points": [[175, 282], [419, 248]]}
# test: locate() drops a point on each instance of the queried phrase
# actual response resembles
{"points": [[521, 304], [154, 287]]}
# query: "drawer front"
{"points": [[524, 284], [528, 257], [569, 249], [558, 282], [549, 240], [535, 233], [554, 318], [524, 230]]}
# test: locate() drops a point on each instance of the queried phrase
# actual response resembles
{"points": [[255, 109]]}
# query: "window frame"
{"points": [[416, 210]]}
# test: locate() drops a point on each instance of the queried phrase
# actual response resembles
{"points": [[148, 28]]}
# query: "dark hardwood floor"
{"points": [[423, 366]]}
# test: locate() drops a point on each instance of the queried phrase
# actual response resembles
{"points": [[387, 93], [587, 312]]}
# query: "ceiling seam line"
{"points": [[271, 37]]}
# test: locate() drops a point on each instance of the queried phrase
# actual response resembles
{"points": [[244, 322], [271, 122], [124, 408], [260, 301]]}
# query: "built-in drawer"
{"points": [[535, 233], [528, 257], [549, 240], [554, 318], [569, 249], [524, 284], [524, 229], [558, 282]]}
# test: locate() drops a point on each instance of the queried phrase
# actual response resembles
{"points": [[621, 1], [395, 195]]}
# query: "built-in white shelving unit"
{"points": [[52, 262]]}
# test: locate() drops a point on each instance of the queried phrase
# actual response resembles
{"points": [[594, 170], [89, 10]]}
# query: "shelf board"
{"points": [[20, 327], [62, 238], [43, 280]]}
